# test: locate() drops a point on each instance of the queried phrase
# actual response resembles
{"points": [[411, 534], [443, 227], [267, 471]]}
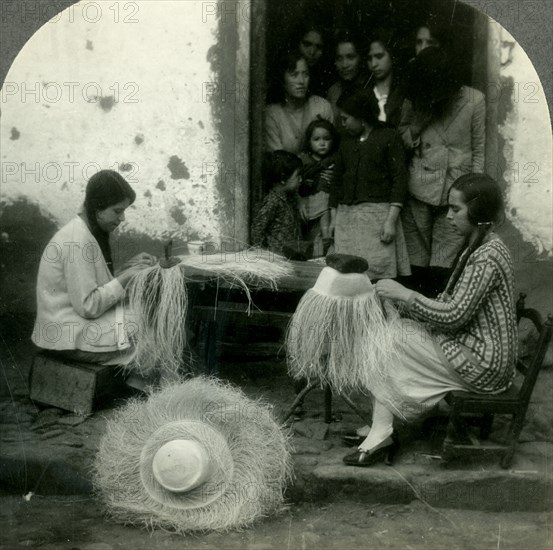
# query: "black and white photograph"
{"points": [[276, 274]]}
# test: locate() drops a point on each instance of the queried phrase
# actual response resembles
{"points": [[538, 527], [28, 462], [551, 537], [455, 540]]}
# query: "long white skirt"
{"points": [[423, 375]]}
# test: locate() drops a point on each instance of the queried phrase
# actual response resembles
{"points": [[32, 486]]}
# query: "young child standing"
{"points": [[369, 191], [277, 225], [321, 140]]}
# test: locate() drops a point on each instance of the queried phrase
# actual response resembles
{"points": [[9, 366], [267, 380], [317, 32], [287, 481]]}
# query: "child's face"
{"points": [[292, 183], [320, 142], [353, 126]]}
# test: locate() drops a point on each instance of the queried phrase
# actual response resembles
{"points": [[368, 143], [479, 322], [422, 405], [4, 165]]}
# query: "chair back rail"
{"points": [[531, 370]]}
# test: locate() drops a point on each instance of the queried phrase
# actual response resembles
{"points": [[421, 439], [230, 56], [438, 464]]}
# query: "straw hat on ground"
{"points": [[195, 456]]}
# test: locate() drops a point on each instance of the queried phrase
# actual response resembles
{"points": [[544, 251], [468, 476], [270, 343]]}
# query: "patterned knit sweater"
{"points": [[476, 326]]}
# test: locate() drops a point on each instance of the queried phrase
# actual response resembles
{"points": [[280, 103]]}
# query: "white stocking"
{"points": [[381, 429]]}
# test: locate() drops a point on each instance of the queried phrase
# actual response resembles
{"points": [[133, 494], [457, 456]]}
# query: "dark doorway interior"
{"points": [[463, 26]]}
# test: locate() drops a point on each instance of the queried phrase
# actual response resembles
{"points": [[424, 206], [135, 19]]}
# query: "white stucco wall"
{"points": [[151, 57], [528, 148]]}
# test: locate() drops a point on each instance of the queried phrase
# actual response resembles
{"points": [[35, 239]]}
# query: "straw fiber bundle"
{"points": [[248, 455], [349, 342], [158, 298], [250, 268]]}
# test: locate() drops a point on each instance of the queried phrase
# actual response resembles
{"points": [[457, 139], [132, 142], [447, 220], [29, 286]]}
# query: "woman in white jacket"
{"points": [[80, 310]]}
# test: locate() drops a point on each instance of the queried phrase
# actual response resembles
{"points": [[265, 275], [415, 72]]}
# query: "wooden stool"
{"points": [[74, 386]]}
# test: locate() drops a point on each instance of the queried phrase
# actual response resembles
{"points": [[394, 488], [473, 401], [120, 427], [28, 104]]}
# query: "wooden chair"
{"points": [[513, 402]]}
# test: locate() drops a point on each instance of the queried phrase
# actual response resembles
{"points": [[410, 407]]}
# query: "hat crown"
{"points": [[332, 283], [181, 465]]}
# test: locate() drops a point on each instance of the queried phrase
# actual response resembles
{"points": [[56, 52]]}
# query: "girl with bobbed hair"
{"points": [[469, 338], [311, 39], [386, 87], [80, 312], [287, 119], [443, 126], [352, 73]]}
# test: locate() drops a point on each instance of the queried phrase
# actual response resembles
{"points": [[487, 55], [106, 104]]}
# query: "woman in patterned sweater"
{"points": [[463, 340]]}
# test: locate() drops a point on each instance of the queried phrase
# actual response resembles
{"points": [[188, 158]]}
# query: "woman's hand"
{"points": [[388, 231], [392, 290], [325, 178], [141, 259], [127, 274]]}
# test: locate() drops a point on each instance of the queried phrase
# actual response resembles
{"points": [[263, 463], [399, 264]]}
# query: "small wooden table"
{"points": [[216, 304]]}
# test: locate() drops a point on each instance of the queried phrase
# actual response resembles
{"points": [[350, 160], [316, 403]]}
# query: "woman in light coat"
{"points": [[80, 310], [443, 127]]}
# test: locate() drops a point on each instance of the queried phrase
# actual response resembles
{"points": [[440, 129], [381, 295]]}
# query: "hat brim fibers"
{"points": [[341, 335], [238, 455]]}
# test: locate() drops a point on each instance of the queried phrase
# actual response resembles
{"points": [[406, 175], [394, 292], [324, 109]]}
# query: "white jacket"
{"points": [[79, 302]]}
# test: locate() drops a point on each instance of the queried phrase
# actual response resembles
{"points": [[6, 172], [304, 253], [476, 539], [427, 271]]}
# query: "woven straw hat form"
{"points": [[196, 456]]}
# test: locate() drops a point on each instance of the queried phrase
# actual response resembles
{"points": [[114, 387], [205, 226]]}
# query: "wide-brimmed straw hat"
{"points": [[196, 456]]}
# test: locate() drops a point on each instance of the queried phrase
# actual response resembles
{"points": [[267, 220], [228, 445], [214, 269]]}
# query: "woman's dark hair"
{"points": [[346, 36], [286, 63], [305, 27], [328, 126], [386, 38], [278, 166], [361, 106], [437, 32], [349, 87], [104, 189], [485, 207], [432, 82]]}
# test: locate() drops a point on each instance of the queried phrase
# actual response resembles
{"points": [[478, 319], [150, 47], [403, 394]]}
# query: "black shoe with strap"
{"points": [[364, 458]]}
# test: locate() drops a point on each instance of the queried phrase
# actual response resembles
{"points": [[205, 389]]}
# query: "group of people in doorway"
{"points": [[364, 165]]}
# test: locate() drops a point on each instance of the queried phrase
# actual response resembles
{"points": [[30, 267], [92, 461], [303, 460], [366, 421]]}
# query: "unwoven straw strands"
{"points": [[254, 449], [158, 298], [347, 342], [251, 268]]}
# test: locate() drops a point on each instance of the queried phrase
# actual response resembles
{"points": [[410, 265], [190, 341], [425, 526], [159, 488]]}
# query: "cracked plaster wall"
{"points": [[527, 146], [121, 90]]}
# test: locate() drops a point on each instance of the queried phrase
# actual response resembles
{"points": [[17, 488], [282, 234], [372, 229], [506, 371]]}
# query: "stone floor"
{"points": [[48, 451]]}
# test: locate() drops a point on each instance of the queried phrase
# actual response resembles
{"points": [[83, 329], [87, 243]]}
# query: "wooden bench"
{"points": [[466, 407], [70, 385]]}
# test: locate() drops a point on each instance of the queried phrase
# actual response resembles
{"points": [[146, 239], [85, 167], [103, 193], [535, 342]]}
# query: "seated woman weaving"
{"points": [[463, 340], [80, 314]]}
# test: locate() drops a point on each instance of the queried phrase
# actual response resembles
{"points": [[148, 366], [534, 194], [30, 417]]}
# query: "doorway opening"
{"points": [[464, 31]]}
